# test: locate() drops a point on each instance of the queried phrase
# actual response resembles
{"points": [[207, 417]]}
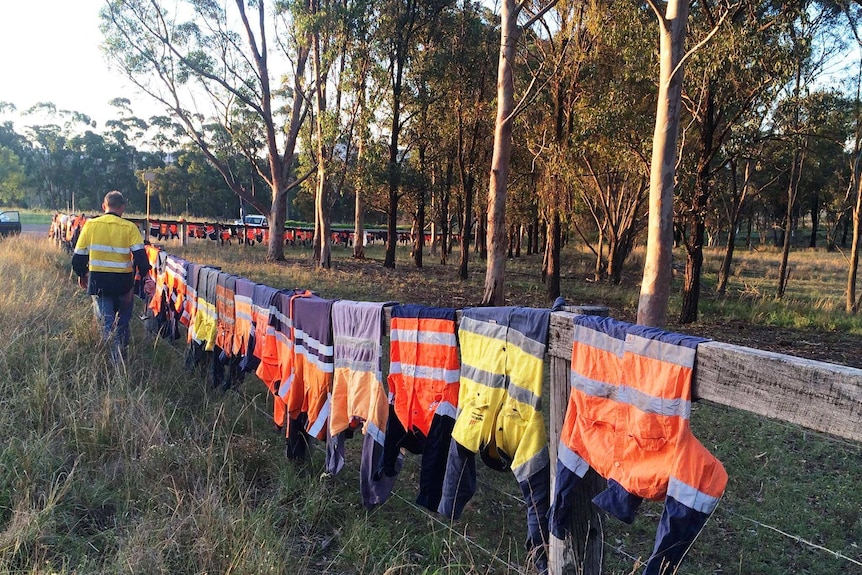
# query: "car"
{"points": [[255, 220], [10, 223]]}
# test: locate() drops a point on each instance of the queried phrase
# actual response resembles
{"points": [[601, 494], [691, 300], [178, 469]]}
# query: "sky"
{"points": [[49, 52]]}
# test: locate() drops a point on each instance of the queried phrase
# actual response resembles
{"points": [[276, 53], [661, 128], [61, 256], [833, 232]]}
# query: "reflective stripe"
{"points": [[111, 249], [593, 387], [484, 328], [322, 418], [675, 407], [313, 344], [661, 351], [126, 266], [532, 466], [82, 251], [136, 247], [606, 342], [357, 344], [526, 344], [357, 365], [486, 378], [423, 337], [573, 462], [425, 372], [313, 359], [241, 315], [691, 497], [651, 404], [446, 409], [525, 396], [375, 432], [284, 388]]}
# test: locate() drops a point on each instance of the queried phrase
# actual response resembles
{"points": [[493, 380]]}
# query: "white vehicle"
{"points": [[255, 220]]}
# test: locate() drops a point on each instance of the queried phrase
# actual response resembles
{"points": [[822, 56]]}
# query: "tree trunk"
{"points": [[792, 191], [852, 306], [419, 238], [815, 219], [323, 257], [739, 200], [495, 270], [394, 168], [466, 225], [553, 251], [655, 287]]}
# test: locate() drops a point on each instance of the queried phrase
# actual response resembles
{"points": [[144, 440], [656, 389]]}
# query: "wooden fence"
{"points": [[816, 395]]}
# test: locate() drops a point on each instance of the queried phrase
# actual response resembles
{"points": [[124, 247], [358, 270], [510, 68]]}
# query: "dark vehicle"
{"points": [[10, 223]]}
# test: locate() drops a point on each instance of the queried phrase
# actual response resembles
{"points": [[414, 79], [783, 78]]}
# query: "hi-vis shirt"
{"points": [[110, 248]]}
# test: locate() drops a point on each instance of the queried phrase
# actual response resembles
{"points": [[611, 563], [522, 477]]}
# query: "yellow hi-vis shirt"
{"points": [[109, 241]]}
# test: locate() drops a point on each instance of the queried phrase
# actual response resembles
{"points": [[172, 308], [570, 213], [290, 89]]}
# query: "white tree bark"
{"points": [[655, 287]]}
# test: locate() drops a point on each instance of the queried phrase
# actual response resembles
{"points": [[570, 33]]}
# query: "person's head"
{"points": [[114, 202]]}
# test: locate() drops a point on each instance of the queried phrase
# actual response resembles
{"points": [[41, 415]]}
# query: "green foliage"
{"points": [[12, 178]]}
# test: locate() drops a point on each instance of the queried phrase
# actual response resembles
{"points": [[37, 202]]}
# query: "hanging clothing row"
{"points": [[321, 361]]}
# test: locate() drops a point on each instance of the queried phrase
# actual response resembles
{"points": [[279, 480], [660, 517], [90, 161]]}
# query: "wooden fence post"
{"points": [[581, 552], [184, 233]]}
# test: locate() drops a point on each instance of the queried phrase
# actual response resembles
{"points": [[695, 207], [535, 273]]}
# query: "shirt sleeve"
{"points": [[139, 254]]}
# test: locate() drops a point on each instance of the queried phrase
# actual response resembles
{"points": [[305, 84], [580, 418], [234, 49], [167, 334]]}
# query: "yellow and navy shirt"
{"points": [[111, 250]]}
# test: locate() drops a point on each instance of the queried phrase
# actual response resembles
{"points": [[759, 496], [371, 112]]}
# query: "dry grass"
{"points": [[151, 471]]}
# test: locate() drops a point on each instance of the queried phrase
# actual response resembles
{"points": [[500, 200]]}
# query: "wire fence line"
{"points": [[837, 441]]}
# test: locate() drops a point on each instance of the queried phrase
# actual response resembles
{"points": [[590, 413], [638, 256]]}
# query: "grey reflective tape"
{"points": [[110, 249], [492, 330], [593, 387], [573, 462], [525, 344], [675, 407], [136, 247], [82, 251], [532, 466], [375, 432], [313, 344], [525, 396], [425, 372], [362, 344], [423, 337], [483, 377], [597, 339], [357, 365], [691, 497], [322, 418], [325, 367], [243, 315], [446, 409], [115, 265], [661, 351]]}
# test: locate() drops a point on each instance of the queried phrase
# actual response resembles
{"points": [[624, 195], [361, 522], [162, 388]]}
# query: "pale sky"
{"points": [[49, 52]]}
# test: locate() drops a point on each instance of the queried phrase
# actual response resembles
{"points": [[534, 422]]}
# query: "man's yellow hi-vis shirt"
{"points": [[109, 249]]}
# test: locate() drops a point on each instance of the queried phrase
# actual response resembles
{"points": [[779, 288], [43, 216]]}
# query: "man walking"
{"points": [[108, 252]]}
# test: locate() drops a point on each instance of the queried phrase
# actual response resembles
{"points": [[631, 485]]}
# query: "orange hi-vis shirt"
{"points": [[313, 363], [424, 371], [281, 317], [265, 348], [226, 312], [242, 298], [628, 413], [357, 387]]}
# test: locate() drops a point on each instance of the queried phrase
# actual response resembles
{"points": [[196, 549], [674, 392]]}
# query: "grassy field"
{"points": [[152, 471]]}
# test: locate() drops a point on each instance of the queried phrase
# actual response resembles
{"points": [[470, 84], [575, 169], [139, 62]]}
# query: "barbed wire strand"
{"points": [[796, 538]]}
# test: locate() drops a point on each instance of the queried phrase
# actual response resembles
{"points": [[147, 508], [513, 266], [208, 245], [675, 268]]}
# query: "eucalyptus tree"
{"points": [[205, 63], [400, 25], [814, 44], [12, 178], [510, 33], [733, 80]]}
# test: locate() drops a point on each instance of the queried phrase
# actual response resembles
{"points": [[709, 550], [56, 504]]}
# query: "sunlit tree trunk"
{"points": [[655, 287]]}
